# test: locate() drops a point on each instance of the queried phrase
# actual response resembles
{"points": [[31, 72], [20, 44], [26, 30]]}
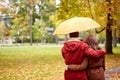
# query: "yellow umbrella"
{"points": [[76, 24]]}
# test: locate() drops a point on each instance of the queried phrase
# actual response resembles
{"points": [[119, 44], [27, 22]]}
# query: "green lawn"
{"points": [[42, 62]]}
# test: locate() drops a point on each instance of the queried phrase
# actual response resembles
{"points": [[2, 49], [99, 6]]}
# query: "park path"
{"points": [[110, 72]]}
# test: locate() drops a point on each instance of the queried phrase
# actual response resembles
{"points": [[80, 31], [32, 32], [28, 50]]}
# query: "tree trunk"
{"points": [[119, 40], [108, 44], [114, 38], [30, 30], [22, 41], [30, 23]]}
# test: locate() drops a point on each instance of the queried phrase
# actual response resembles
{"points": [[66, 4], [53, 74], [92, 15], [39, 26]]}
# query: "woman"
{"points": [[96, 66], [73, 52]]}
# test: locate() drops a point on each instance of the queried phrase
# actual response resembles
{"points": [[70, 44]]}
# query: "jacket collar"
{"points": [[74, 39]]}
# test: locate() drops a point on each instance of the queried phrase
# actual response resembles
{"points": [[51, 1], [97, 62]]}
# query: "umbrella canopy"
{"points": [[76, 24]]}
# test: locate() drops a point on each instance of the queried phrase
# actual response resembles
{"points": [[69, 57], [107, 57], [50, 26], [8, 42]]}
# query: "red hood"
{"points": [[71, 46]]}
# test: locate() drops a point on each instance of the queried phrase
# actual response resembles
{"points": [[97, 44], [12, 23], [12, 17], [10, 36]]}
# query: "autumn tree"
{"points": [[27, 13], [6, 11], [108, 12], [71, 8], [20, 26], [116, 33], [46, 12], [102, 11]]}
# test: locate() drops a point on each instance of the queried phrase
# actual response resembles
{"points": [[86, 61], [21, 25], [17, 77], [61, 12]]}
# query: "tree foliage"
{"points": [[27, 11], [105, 12], [71, 8]]}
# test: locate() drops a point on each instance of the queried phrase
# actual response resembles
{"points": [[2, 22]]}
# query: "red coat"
{"points": [[73, 52]]}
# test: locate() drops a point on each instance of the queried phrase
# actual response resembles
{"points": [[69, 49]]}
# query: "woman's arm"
{"points": [[81, 66]]}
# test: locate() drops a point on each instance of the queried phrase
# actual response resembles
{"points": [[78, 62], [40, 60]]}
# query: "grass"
{"points": [[43, 62], [113, 60], [31, 63]]}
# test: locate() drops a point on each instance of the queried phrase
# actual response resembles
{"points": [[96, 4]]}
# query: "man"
{"points": [[73, 52]]}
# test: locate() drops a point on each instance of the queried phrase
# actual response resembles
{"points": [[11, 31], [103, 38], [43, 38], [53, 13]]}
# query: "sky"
{"points": [[57, 2], [4, 3]]}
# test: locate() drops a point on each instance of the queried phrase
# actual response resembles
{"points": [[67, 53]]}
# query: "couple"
{"points": [[84, 59]]}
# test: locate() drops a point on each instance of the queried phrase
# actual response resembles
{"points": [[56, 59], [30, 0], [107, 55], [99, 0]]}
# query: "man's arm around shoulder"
{"points": [[94, 53]]}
